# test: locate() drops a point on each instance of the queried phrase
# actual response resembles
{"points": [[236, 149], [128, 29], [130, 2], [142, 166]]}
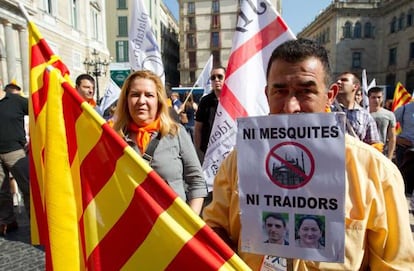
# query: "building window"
{"points": [[215, 6], [50, 6], [74, 14], [191, 8], [357, 30], [191, 23], [368, 30], [96, 24], [410, 15], [401, 21], [347, 30], [392, 57], [409, 81], [215, 21], [390, 82], [393, 25], [192, 59], [191, 42], [122, 4], [121, 51], [215, 39], [122, 26], [356, 60], [412, 51]]}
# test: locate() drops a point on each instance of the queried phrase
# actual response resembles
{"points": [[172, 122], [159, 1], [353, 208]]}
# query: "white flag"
{"points": [[111, 95], [260, 29], [144, 52], [203, 79], [372, 84], [364, 90]]}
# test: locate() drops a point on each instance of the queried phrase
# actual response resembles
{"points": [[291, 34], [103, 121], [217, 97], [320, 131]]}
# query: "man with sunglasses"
{"points": [[207, 110]]}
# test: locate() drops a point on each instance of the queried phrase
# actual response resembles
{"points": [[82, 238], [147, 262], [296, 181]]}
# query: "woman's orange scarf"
{"points": [[144, 133]]}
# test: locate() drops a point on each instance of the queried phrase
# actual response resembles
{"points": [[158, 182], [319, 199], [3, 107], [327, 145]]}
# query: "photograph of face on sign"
{"points": [[310, 231], [275, 227]]}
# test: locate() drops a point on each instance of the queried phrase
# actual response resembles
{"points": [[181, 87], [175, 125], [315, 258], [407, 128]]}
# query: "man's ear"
{"points": [[266, 93], [356, 87], [332, 92]]}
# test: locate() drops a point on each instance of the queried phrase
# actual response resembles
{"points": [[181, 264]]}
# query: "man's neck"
{"points": [[374, 109], [346, 102], [217, 93]]}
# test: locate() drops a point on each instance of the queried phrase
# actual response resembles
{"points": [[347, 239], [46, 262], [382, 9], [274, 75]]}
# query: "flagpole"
{"points": [[191, 91], [24, 11], [207, 68]]}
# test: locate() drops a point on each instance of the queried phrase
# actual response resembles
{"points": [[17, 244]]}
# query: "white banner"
{"points": [[203, 79], [111, 95], [292, 198], [144, 52], [260, 29]]}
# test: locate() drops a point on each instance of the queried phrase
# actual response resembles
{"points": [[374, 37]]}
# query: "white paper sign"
{"points": [[292, 185]]}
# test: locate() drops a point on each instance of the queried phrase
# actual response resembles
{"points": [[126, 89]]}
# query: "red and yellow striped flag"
{"points": [[401, 97], [96, 204]]}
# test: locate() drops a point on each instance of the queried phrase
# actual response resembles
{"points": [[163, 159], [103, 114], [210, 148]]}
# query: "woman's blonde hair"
{"points": [[122, 116]]}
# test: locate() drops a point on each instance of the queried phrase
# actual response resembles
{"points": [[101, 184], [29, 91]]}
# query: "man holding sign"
{"points": [[377, 232]]}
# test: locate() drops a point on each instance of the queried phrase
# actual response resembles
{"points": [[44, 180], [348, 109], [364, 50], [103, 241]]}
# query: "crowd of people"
{"points": [[171, 133]]}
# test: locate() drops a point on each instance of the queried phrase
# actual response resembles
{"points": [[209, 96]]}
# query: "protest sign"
{"points": [[292, 196]]}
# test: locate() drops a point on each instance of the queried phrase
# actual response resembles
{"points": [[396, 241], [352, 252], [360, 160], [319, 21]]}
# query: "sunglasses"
{"points": [[218, 76]]}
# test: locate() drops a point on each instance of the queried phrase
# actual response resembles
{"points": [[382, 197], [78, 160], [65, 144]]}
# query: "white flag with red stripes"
{"points": [[260, 29]]}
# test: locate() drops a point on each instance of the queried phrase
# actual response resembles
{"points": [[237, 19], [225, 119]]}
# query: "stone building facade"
{"points": [[375, 35], [72, 28]]}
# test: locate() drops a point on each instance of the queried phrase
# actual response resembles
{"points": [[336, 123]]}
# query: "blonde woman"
{"points": [[142, 116]]}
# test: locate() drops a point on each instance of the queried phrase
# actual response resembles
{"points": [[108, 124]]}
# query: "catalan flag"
{"points": [[96, 204], [401, 97]]}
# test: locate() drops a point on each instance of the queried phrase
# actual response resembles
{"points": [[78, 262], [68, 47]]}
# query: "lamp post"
{"points": [[97, 67]]}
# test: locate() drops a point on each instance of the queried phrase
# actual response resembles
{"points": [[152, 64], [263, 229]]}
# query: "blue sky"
{"points": [[295, 17], [299, 13]]}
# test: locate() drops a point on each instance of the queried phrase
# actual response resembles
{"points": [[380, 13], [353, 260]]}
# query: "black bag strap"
{"points": [[149, 152]]}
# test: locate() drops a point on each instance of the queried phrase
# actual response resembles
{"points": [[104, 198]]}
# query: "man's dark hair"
{"points": [[275, 216], [375, 90], [219, 67], [84, 76], [356, 80], [10, 87], [294, 51]]}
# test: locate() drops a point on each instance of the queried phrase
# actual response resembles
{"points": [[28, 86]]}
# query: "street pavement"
{"points": [[16, 252]]}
